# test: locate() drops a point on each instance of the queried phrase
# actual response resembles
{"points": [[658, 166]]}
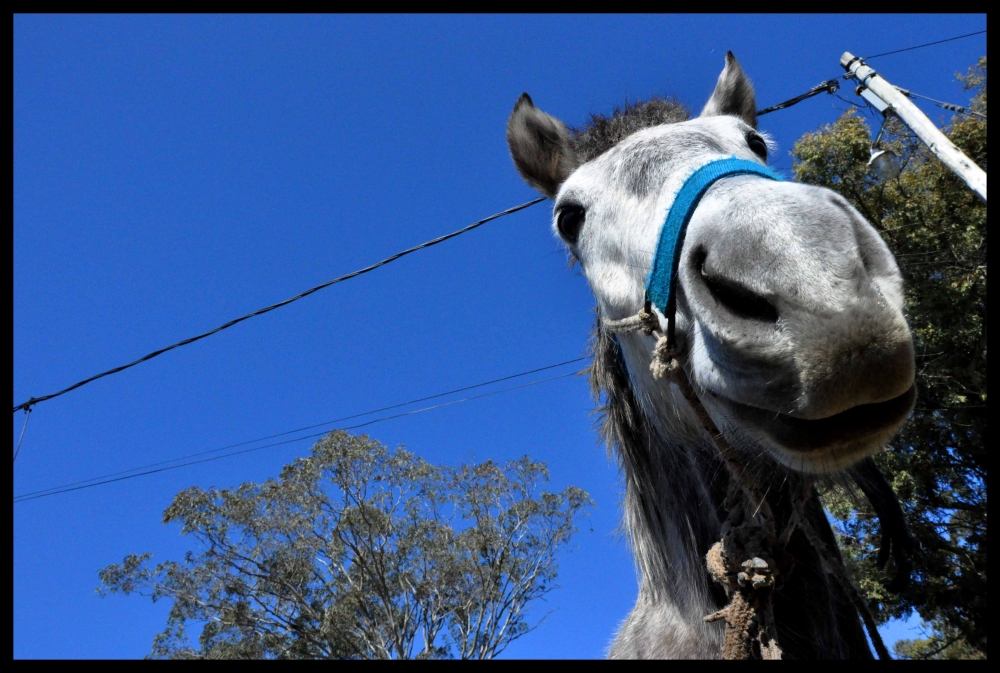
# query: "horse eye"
{"points": [[757, 146], [570, 221]]}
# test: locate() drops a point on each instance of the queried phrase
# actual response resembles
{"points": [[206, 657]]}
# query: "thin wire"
{"points": [[928, 44], [941, 103], [307, 427], [849, 102], [27, 415], [440, 239], [26, 497]]}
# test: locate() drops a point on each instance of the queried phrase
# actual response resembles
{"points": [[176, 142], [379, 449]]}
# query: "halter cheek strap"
{"points": [[662, 279]]}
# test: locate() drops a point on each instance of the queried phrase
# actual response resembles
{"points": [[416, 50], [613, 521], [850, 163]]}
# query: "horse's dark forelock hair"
{"points": [[815, 618], [604, 132]]}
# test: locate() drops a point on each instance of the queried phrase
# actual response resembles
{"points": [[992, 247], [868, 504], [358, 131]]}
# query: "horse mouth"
{"points": [[844, 437]]}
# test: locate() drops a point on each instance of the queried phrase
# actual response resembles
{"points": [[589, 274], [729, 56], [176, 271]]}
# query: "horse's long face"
{"points": [[789, 304]]}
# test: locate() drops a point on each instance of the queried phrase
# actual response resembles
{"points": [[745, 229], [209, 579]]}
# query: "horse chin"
{"points": [[823, 445]]}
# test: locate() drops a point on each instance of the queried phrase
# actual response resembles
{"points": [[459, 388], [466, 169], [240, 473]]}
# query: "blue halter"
{"points": [[663, 275]]}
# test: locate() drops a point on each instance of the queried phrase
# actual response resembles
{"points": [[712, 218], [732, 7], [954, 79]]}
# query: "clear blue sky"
{"points": [[171, 173]]}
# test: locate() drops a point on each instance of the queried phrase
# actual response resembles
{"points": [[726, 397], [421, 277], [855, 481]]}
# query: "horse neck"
{"points": [[674, 482]]}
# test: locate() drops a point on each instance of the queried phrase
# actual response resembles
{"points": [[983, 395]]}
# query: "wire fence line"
{"points": [[112, 478], [354, 274]]}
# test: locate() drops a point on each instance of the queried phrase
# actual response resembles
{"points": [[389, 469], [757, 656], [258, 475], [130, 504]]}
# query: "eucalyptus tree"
{"points": [[359, 552]]}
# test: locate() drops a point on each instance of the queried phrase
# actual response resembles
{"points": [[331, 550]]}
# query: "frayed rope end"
{"points": [[664, 363]]}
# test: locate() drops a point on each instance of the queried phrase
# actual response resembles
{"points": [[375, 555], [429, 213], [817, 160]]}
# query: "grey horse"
{"points": [[789, 327]]}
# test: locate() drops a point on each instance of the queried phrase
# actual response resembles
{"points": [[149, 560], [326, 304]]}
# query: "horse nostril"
{"points": [[741, 300]]}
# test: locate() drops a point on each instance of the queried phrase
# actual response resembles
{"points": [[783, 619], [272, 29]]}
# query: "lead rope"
{"points": [[743, 561]]}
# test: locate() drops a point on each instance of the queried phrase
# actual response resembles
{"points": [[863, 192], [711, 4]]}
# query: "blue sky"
{"points": [[172, 172]]}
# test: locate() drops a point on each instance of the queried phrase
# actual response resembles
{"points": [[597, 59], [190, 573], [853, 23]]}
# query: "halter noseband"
{"points": [[662, 278]]}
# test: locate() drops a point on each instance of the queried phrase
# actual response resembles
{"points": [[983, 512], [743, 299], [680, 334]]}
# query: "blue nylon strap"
{"points": [[661, 279]]}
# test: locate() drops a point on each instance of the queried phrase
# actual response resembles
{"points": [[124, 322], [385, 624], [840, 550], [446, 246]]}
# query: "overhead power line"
{"points": [[111, 478], [926, 44], [829, 86], [310, 427], [940, 103], [440, 239], [832, 85]]}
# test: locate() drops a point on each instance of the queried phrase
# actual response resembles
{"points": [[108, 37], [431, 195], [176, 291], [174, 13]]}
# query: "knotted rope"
{"points": [[743, 562], [664, 363]]}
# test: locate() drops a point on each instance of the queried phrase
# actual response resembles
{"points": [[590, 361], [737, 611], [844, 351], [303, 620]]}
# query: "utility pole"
{"points": [[887, 98]]}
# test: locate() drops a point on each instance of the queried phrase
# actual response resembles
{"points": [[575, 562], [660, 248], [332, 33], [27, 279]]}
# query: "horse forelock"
{"points": [[605, 131]]}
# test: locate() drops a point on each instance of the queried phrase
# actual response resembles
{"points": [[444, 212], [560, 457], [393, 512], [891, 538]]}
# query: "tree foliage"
{"points": [[936, 227], [359, 552]]}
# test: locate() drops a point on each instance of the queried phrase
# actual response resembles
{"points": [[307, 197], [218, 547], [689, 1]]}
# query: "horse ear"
{"points": [[733, 94], [541, 147]]}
